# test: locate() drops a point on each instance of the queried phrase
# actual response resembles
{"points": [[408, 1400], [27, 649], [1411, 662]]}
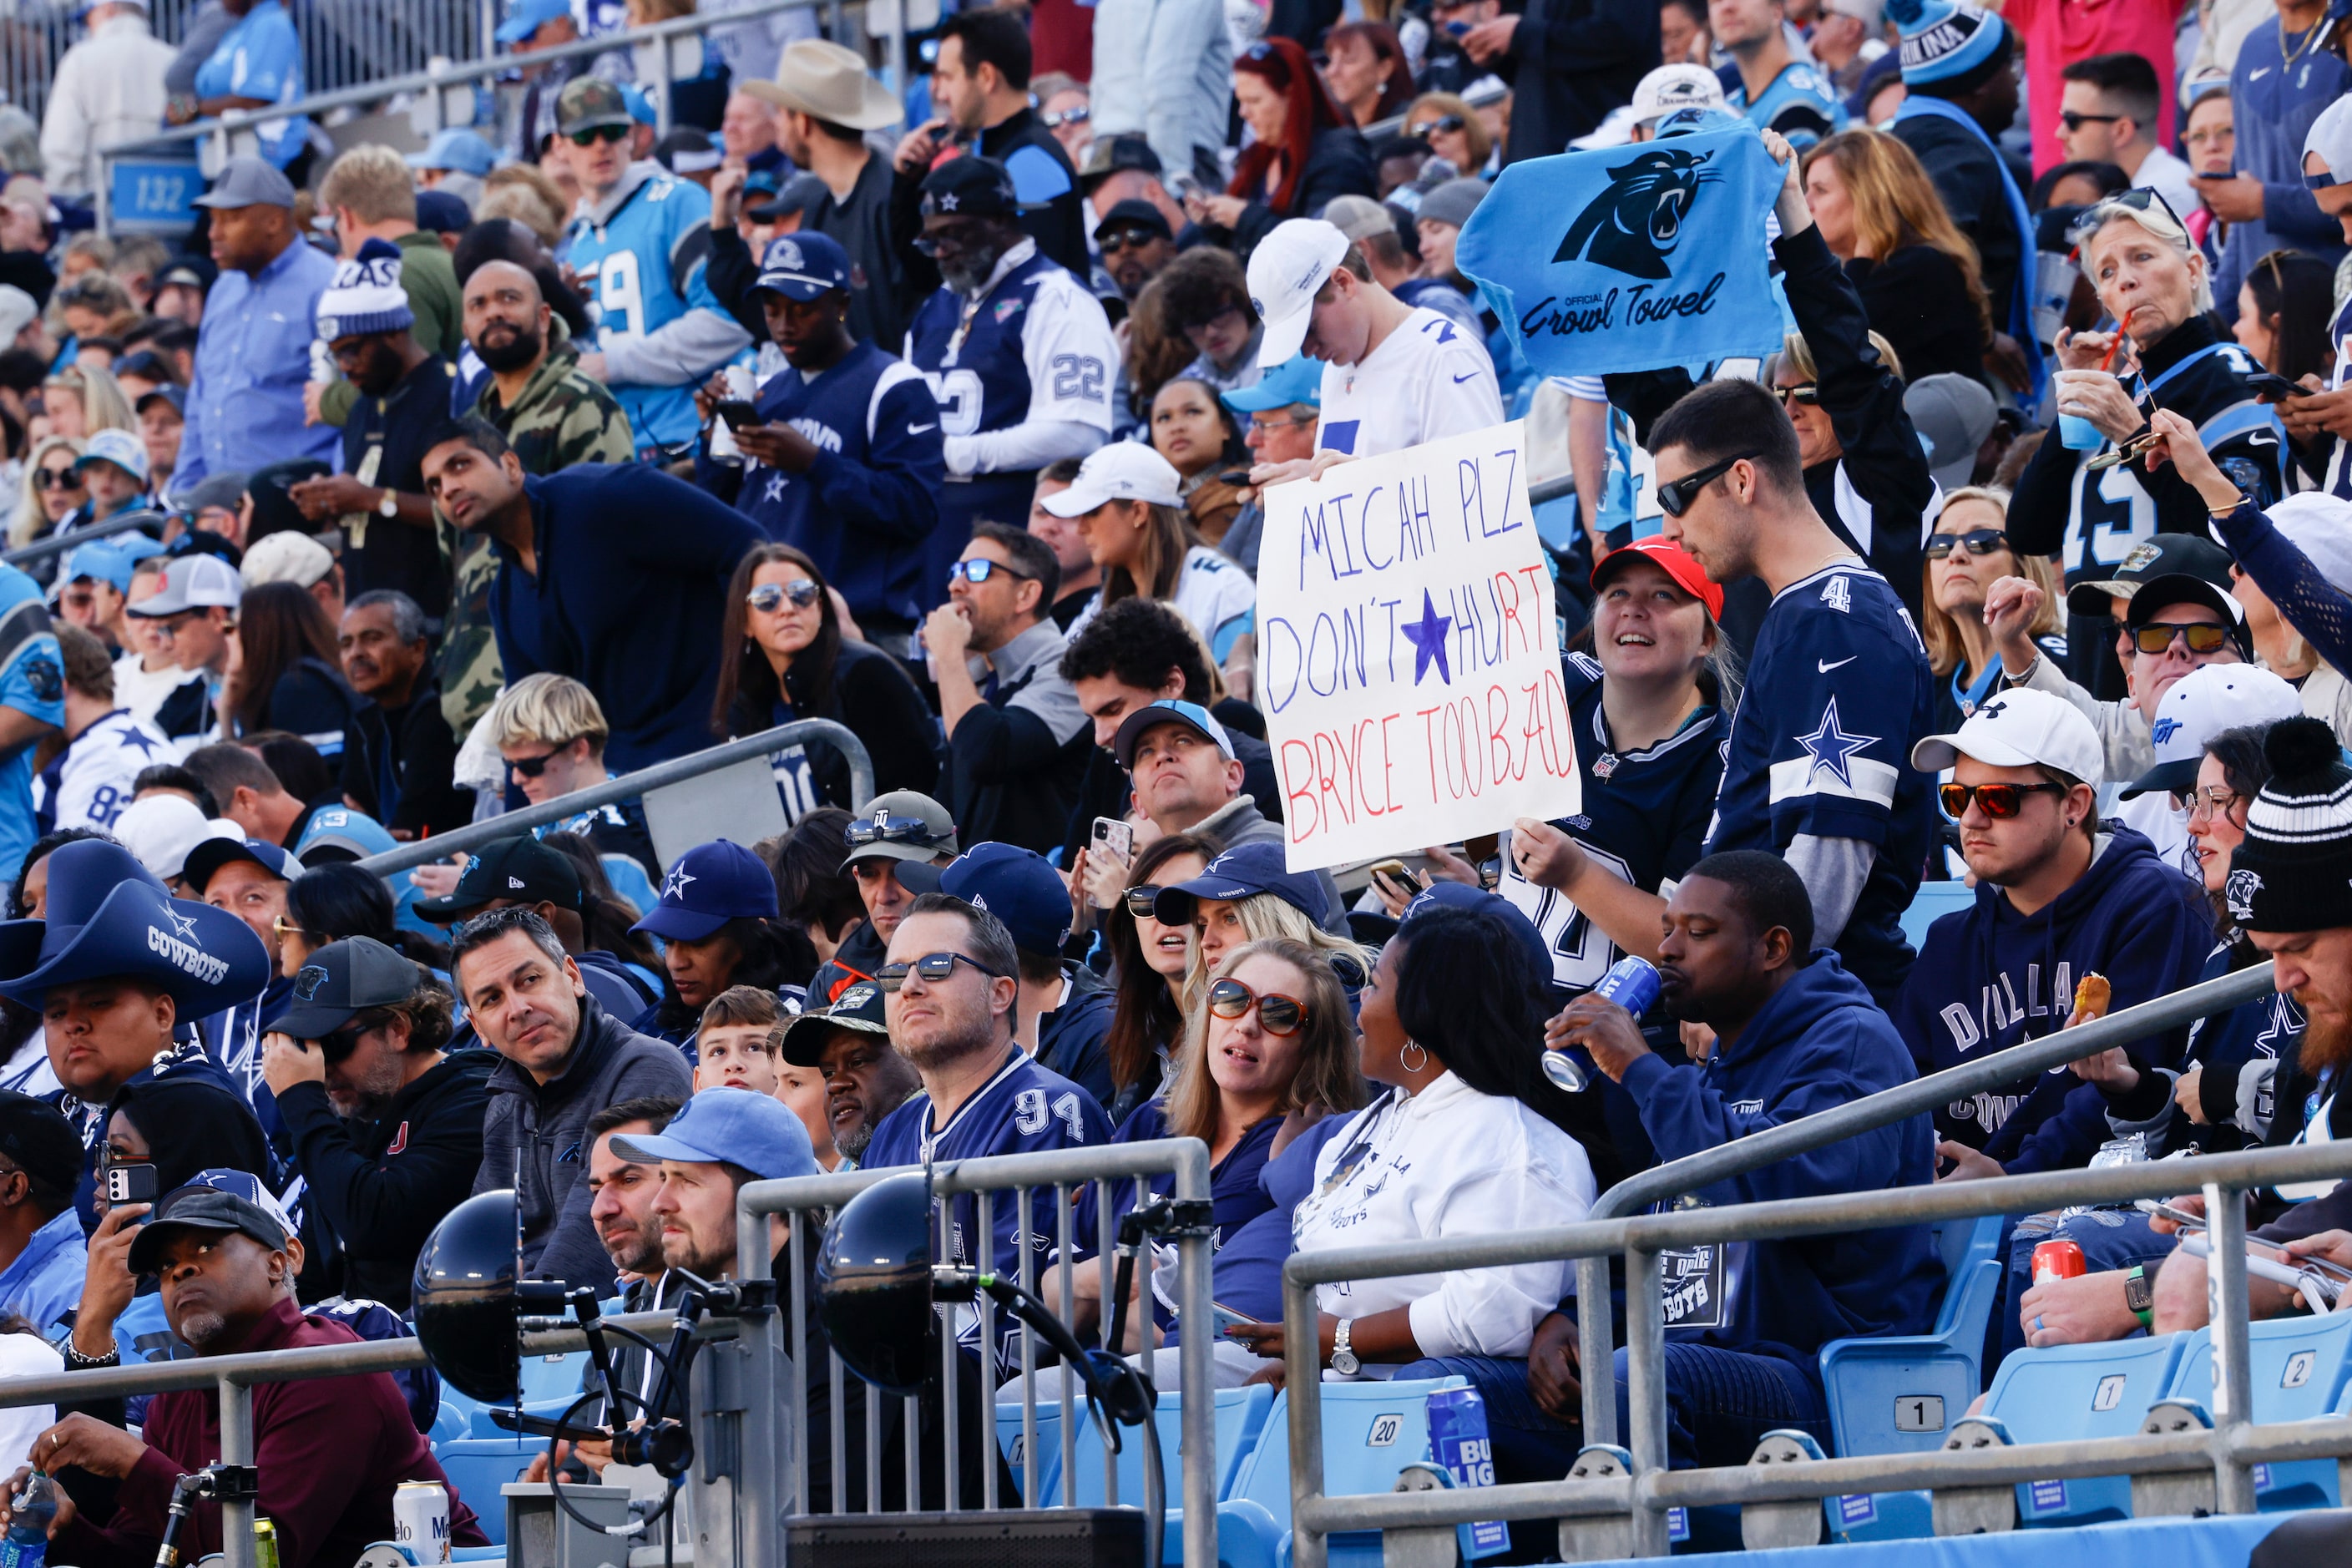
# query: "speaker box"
{"points": [[1010, 1538]]}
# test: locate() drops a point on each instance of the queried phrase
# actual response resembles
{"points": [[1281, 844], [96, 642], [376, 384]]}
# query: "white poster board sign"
{"points": [[1408, 658]]}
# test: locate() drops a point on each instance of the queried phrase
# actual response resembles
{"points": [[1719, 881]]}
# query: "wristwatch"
{"points": [[389, 506], [2139, 1294], [1343, 1360]]}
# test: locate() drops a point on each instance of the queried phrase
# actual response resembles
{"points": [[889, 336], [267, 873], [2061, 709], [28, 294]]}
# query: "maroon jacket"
{"points": [[329, 1449]]}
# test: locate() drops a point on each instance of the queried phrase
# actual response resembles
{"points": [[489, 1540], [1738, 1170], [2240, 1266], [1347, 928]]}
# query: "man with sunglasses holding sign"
{"points": [[2059, 895], [1838, 687], [386, 1128]]}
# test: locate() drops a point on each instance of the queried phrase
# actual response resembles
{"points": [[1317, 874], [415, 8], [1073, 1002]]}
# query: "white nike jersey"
{"points": [[90, 785], [1428, 379]]}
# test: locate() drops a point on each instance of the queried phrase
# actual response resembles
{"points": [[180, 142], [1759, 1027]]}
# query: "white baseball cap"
{"points": [[161, 830], [1871, 14], [2320, 525], [2021, 728], [286, 556], [2330, 138], [1286, 270], [1124, 470], [191, 582], [1679, 86], [2200, 705]]}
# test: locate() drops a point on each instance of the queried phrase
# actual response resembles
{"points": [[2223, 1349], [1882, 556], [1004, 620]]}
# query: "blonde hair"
{"points": [[1895, 205], [552, 710], [104, 406], [31, 521], [1482, 140], [1938, 629], [1327, 1075], [523, 192], [1800, 357], [374, 183], [1265, 917]]}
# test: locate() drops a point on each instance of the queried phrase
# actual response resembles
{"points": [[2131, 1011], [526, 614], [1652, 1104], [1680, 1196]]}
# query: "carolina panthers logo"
{"points": [[2239, 893], [1633, 226]]}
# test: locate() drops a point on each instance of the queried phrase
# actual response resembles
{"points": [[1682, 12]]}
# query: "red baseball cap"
{"points": [[1687, 573]]}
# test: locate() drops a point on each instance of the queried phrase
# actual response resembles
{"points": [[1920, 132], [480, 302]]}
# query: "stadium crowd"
{"points": [[422, 488]]}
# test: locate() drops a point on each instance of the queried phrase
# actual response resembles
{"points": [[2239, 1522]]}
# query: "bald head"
{"points": [[507, 318]]}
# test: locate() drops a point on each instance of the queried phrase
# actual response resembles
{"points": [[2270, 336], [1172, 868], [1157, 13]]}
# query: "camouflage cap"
{"points": [[588, 102]]}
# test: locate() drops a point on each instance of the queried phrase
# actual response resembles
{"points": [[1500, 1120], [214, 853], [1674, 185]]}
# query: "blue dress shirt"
{"points": [[253, 358], [44, 1282]]}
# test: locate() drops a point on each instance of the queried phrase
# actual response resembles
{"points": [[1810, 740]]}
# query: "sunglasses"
{"points": [[595, 134], [1807, 393], [954, 240], [1060, 118], [59, 480], [1975, 541], [2139, 199], [531, 767], [2156, 636], [1277, 1014], [934, 968], [2000, 801], [1442, 124], [1141, 899], [285, 928], [2073, 121], [769, 597], [889, 830], [1134, 238], [980, 571], [2212, 800], [345, 1040], [1674, 497]]}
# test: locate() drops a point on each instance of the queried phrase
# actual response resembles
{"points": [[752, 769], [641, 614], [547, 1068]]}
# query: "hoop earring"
{"points": [[1414, 1049]]}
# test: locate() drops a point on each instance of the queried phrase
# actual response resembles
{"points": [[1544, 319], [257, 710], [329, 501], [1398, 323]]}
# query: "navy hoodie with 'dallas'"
{"points": [[1820, 1042], [1989, 978]]}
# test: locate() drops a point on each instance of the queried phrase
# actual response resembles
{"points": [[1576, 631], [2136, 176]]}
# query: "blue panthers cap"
{"points": [[529, 16], [1442, 895], [1245, 871], [708, 886], [1015, 885], [737, 1126], [1295, 380], [804, 266], [1695, 120]]}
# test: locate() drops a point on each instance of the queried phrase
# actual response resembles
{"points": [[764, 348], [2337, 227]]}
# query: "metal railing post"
{"points": [[1302, 1348], [1595, 1349], [2225, 1285], [1198, 1445], [663, 118], [1645, 1390], [236, 1448], [762, 1527]]}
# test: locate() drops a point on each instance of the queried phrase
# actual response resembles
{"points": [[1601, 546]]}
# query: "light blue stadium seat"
{"points": [[2300, 1373], [2067, 1392], [1247, 1536], [478, 1466], [1901, 1395], [547, 1377], [1931, 903]]}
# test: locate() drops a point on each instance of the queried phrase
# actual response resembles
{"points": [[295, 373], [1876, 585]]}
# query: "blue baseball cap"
{"points": [[641, 107], [205, 861], [1168, 711], [339, 833], [1461, 896], [708, 886], [459, 149], [109, 916], [1245, 871], [1295, 379], [529, 16], [804, 266], [737, 1126], [1015, 885], [109, 560]]}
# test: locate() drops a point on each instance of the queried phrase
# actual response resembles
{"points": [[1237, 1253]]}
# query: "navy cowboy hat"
{"points": [[109, 916]]}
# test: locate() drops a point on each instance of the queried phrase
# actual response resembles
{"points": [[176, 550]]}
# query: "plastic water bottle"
{"points": [[1634, 985], [26, 1545]]}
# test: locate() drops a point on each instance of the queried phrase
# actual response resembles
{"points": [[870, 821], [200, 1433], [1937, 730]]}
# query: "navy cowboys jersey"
{"points": [[1838, 691], [1645, 815], [1034, 345]]}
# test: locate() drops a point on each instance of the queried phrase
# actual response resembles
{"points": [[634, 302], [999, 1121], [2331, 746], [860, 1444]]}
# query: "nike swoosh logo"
{"points": [[2258, 75], [1826, 667], [1460, 379], [919, 429]]}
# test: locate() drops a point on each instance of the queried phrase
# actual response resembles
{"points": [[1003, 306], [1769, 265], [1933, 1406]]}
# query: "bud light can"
{"points": [[1634, 985], [2058, 1260], [1458, 1440], [420, 1520]]}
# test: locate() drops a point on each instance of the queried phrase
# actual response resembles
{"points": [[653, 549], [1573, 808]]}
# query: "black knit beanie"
{"points": [[2294, 872]]}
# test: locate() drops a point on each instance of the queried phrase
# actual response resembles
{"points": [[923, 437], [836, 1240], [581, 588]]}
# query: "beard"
{"points": [[512, 354], [970, 270], [2327, 1042], [851, 1143], [200, 1329], [679, 1251], [952, 1044]]}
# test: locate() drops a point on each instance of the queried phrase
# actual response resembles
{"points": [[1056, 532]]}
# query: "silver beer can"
{"points": [[420, 1520]]}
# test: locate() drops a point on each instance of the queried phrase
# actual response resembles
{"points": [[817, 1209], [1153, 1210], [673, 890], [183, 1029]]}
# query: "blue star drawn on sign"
{"points": [[1428, 639], [1831, 747], [137, 738]]}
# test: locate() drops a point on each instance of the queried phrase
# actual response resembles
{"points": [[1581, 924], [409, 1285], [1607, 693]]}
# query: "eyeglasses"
{"points": [[531, 767], [2075, 121], [889, 830], [59, 480], [1061, 117], [1141, 900], [1976, 542], [1676, 496], [1133, 238], [769, 597], [2000, 801], [285, 928], [2156, 636], [2211, 800], [934, 968], [1259, 422], [979, 570], [1806, 391], [954, 238], [595, 134], [1277, 1014]]}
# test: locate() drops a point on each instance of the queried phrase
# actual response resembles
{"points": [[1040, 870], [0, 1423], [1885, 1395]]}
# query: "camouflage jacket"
{"points": [[563, 417]]}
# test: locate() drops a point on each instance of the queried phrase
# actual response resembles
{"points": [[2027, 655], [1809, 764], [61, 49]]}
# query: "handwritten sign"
{"points": [[1408, 658]]}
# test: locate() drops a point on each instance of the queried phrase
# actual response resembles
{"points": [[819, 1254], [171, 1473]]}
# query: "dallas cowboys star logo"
{"points": [[184, 924], [776, 487], [948, 202], [1832, 747], [1428, 639], [138, 739], [675, 887]]}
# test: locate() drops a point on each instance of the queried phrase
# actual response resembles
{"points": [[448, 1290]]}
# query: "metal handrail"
{"points": [[1689, 1174], [2230, 1448], [629, 786], [59, 543]]}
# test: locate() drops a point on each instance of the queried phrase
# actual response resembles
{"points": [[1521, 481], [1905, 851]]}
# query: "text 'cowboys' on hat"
{"points": [[108, 919]]}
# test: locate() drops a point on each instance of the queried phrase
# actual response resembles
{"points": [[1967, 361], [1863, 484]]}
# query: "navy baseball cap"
{"points": [[1015, 885], [971, 186], [803, 266], [520, 869], [1461, 896], [737, 1126], [208, 857], [708, 886], [194, 1207], [1243, 872]]}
